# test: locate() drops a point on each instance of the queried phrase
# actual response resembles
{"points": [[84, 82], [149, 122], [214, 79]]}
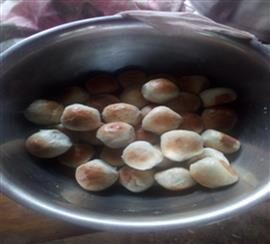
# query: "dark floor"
{"points": [[251, 227]]}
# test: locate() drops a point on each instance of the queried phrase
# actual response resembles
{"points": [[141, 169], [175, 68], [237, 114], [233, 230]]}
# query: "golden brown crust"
{"points": [[137, 156], [80, 117], [164, 118], [185, 143], [37, 147], [160, 120], [91, 176], [163, 85], [122, 112]]}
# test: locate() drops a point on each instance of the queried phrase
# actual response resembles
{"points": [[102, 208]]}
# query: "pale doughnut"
{"points": [[48, 143], [96, 175], [136, 180], [175, 179], [159, 90], [220, 141], [179, 145], [116, 134], [122, 112], [79, 117], [44, 112], [209, 152], [212, 173], [141, 155], [161, 119]]}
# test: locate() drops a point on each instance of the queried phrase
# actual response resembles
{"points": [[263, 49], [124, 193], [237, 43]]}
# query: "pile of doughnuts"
{"points": [[139, 130]]}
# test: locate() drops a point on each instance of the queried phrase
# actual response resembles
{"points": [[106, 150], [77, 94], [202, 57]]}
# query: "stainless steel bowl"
{"points": [[54, 58]]}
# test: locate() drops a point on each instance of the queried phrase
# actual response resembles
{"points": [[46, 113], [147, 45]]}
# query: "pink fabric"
{"points": [[38, 15], [21, 18]]}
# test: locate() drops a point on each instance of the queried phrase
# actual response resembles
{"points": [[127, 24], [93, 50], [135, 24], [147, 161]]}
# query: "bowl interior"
{"points": [[42, 66]]}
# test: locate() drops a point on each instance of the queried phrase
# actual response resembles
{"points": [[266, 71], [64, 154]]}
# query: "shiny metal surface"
{"points": [[43, 63]]}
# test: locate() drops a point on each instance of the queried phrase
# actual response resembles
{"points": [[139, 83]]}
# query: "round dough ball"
{"points": [[116, 134], [220, 141], [44, 112], [79, 117], [96, 175], [209, 152], [133, 96], [141, 155], [48, 143], [73, 94], [136, 180], [217, 96], [175, 179], [193, 84], [101, 84], [112, 156], [159, 90], [161, 119], [77, 155], [142, 135], [122, 112], [99, 102], [179, 145], [213, 173], [131, 77], [219, 118], [185, 103], [192, 122]]}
